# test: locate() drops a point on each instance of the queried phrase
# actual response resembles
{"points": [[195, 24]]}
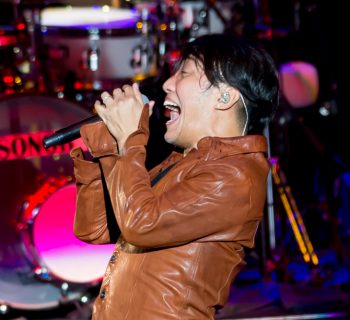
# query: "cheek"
{"points": [[195, 118]]}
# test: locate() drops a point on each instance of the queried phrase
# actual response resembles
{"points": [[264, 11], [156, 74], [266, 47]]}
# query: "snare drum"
{"points": [[93, 44]]}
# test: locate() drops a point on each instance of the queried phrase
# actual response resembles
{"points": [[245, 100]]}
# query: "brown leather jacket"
{"points": [[182, 239]]}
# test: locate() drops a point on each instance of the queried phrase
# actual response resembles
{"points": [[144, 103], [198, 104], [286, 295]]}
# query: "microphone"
{"points": [[72, 132]]}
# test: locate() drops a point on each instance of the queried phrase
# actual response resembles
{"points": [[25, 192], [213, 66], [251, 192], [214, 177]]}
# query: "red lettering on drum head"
{"points": [[29, 145]]}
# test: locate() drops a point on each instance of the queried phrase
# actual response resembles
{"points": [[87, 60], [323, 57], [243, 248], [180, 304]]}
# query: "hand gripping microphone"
{"points": [[72, 132]]}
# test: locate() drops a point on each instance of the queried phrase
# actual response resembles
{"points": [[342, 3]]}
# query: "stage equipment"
{"points": [[299, 83], [14, 63], [294, 216], [72, 132], [46, 227], [37, 270], [94, 46], [299, 88], [204, 17]]}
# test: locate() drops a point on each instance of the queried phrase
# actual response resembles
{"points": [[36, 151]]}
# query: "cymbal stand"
{"points": [[269, 195], [15, 4], [144, 54], [278, 179], [293, 213], [32, 18]]}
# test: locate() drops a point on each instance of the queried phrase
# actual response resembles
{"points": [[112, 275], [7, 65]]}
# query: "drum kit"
{"points": [[55, 59], [59, 49]]}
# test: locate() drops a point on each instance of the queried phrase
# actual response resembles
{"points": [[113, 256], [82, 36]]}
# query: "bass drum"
{"points": [[49, 240], [25, 167]]}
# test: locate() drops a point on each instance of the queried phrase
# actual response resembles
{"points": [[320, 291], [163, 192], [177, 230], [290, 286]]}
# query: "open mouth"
{"points": [[172, 111]]}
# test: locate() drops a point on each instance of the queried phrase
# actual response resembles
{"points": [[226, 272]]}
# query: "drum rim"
{"points": [[107, 26], [84, 31], [23, 95]]}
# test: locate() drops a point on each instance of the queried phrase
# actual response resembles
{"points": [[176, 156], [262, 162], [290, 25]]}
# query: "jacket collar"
{"points": [[211, 148]]}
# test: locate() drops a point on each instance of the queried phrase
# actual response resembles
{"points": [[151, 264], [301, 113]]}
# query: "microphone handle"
{"points": [[68, 134], [72, 132]]}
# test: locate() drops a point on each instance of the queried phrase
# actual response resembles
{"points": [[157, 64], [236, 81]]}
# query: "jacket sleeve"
{"points": [[195, 208], [214, 201], [90, 221]]}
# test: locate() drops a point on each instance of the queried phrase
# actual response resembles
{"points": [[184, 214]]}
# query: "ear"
{"points": [[228, 96]]}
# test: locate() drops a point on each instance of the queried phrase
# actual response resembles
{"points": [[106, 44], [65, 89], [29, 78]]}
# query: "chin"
{"points": [[169, 139]]}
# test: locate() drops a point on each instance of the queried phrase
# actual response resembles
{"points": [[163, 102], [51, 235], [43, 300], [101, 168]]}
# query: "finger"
{"points": [[105, 96], [98, 104], [100, 109], [128, 90], [118, 93], [150, 106], [137, 92]]}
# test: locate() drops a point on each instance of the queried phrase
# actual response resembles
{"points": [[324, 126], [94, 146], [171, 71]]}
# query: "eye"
{"points": [[184, 72]]}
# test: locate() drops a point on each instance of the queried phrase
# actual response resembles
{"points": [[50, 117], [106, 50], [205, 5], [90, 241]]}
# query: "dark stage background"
{"points": [[56, 57]]}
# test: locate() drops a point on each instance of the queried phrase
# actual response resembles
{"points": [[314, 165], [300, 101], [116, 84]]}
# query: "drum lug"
{"points": [[64, 289], [42, 273], [4, 308]]}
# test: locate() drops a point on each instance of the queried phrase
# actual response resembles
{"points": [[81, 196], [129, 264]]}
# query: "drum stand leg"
{"points": [[293, 213], [277, 178]]}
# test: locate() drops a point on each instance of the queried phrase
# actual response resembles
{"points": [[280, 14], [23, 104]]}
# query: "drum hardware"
{"points": [[200, 22], [23, 52], [30, 209], [212, 4], [143, 54], [37, 196], [35, 75], [294, 216], [163, 34], [198, 18], [90, 61], [55, 253], [93, 51], [271, 255], [4, 309], [12, 60], [11, 81], [99, 44]]}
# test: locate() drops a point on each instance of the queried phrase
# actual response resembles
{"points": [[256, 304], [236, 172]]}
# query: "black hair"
{"points": [[244, 65]]}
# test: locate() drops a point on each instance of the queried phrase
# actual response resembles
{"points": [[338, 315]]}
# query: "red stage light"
{"points": [[20, 26], [8, 80]]}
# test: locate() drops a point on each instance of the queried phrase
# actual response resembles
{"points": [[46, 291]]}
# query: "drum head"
{"points": [[66, 257], [80, 21], [21, 176], [31, 113], [91, 47]]}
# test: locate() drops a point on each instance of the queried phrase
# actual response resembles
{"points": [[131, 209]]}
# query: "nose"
{"points": [[169, 84]]}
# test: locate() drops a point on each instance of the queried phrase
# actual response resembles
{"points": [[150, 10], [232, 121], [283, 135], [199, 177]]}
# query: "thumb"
{"points": [[150, 106]]}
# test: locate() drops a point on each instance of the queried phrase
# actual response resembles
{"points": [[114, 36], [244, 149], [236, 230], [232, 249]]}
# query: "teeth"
{"points": [[171, 106], [169, 103], [176, 109]]}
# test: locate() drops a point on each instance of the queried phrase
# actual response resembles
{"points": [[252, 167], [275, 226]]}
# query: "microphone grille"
{"points": [[145, 99]]}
